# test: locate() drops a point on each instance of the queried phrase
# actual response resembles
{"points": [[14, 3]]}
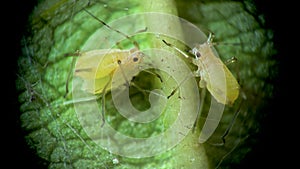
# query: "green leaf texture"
{"points": [[53, 130]]}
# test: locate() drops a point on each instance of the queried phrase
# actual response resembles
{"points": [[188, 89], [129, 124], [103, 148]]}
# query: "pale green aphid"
{"points": [[211, 70], [214, 74], [219, 81], [97, 67], [97, 74]]}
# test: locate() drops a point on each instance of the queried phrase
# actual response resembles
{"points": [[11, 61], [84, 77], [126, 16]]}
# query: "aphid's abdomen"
{"points": [[99, 63], [96, 86], [232, 87]]}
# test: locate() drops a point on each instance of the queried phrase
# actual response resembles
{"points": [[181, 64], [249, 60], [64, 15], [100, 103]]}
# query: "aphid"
{"points": [[219, 81], [214, 74], [97, 67], [211, 70]]}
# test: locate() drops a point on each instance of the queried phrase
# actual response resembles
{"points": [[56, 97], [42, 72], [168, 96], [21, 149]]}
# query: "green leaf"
{"points": [[54, 128]]}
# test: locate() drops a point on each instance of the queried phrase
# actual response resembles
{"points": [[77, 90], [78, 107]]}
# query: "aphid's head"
{"points": [[136, 57], [201, 50], [196, 52]]}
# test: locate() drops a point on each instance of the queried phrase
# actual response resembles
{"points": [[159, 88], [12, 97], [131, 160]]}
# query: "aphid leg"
{"points": [[227, 154], [231, 60], [210, 38], [145, 91], [238, 141], [69, 77], [175, 90], [229, 127], [77, 53], [185, 55], [202, 96], [155, 74], [124, 76], [202, 83], [181, 52], [142, 30], [127, 83], [103, 103], [140, 89], [243, 97]]}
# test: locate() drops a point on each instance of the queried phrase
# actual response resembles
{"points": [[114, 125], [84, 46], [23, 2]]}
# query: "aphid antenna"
{"points": [[113, 29], [177, 49], [225, 43]]}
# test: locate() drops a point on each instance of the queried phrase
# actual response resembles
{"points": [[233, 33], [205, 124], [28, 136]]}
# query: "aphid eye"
{"points": [[119, 62], [198, 54], [135, 59]]}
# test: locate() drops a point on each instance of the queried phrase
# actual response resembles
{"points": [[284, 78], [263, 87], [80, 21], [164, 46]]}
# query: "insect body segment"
{"points": [[214, 74]]}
